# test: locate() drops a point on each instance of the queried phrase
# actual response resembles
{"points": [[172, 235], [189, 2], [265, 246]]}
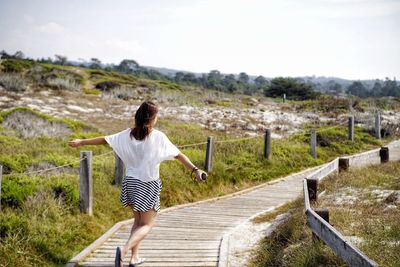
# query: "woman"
{"points": [[142, 149]]}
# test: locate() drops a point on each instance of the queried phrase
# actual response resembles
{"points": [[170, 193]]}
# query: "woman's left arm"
{"points": [[188, 164]]}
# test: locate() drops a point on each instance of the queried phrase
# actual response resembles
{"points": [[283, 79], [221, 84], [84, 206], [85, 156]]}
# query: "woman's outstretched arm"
{"points": [[188, 164], [91, 141]]}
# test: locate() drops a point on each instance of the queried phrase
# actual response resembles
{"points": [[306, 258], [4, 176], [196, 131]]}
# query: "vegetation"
{"points": [[40, 212], [362, 206]]}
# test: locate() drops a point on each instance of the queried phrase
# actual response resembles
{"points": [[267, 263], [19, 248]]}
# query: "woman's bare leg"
{"points": [[145, 225], [136, 224]]}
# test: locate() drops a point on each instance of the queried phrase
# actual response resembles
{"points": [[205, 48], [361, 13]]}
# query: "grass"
{"points": [[369, 218], [40, 216]]}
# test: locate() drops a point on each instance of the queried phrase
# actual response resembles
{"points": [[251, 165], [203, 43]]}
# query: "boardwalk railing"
{"points": [[320, 226]]}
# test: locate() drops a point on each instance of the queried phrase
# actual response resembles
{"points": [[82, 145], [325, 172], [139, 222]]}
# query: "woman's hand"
{"points": [[75, 143], [201, 175]]}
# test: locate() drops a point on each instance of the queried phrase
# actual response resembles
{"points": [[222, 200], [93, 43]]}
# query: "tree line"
{"points": [[293, 88]]}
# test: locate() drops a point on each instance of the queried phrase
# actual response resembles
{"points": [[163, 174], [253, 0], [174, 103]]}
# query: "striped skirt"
{"points": [[141, 196]]}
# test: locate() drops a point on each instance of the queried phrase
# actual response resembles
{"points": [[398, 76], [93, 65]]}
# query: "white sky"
{"points": [[354, 39]]}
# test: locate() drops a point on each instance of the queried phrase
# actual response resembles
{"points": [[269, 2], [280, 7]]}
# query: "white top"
{"points": [[142, 158]]}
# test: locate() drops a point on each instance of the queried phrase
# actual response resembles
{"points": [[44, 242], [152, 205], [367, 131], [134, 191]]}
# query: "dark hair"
{"points": [[144, 117]]}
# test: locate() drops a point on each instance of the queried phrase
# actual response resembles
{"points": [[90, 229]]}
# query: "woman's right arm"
{"points": [[91, 141]]}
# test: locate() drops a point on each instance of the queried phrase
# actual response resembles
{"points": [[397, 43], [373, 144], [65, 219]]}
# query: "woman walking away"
{"points": [[142, 149]]}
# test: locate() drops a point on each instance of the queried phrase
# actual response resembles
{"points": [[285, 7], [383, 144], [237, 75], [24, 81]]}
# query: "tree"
{"points": [[4, 55], [189, 78], [19, 55], [243, 77], [214, 80], [95, 63], [128, 66], [179, 77], [294, 89], [377, 88], [390, 88], [230, 83], [61, 60], [334, 88], [260, 81], [357, 88]]}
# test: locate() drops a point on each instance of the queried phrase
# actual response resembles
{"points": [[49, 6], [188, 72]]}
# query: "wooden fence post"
{"points": [[378, 125], [86, 183], [267, 144], [313, 143], [312, 186], [344, 164], [1, 177], [119, 170], [384, 154], [351, 128], [209, 151]]}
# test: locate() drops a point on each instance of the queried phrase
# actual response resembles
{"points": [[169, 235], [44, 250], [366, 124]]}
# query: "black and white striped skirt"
{"points": [[142, 196]]}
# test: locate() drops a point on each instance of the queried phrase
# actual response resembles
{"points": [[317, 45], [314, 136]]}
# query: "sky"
{"points": [[353, 39]]}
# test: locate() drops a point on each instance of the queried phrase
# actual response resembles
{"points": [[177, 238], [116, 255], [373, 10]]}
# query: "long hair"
{"points": [[144, 117]]}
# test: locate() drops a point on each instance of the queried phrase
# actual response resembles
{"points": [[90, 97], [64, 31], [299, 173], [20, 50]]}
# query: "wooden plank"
{"points": [[336, 241], [155, 264], [160, 253], [306, 197], [160, 259]]}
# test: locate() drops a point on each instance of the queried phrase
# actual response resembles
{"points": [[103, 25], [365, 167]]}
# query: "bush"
{"points": [[63, 84], [66, 192], [107, 85], [12, 65], [13, 82], [91, 91], [11, 224], [16, 190]]}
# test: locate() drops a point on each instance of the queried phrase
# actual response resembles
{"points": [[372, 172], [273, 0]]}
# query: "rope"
{"points": [[181, 146], [58, 167], [239, 140], [190, 145]]}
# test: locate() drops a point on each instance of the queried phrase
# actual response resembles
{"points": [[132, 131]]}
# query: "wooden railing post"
{"points": [[119, 170], [312, 186], [384, 154], [344, 164], [378, 125], [209, 151], [313, 143], [351, 128], [86, 183], [267, 144], [1, 177]]}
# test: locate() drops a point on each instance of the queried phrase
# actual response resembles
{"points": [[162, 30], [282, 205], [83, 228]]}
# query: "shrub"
{"points": [[66, 192], [13, 82], [63, 84], [11, 224], [107, 85], [91, 91], [12, 65], [15, 190]]}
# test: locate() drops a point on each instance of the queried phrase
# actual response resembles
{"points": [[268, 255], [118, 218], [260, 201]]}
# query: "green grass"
{"points": [[368, 218], [41, 218], [292, 244]]}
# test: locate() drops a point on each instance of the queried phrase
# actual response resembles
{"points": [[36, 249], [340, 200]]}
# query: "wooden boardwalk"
{"points": [[192, 235]]}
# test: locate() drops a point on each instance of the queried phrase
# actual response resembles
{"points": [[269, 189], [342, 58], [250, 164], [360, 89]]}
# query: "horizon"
{"points": [[351, 40]]}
